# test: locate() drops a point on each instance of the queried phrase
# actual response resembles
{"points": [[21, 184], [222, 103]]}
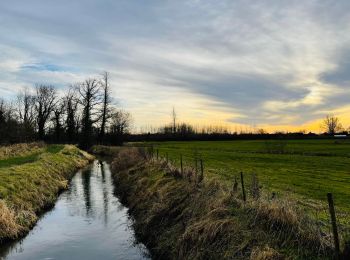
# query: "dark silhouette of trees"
{"points": [[120, 125], [105, 109], [9, 125], [71, 110], [26, 114], [58, 112], [89, 98], [45, 101], [332, 124], [82, 115]]}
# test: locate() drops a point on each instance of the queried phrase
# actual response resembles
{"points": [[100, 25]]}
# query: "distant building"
{"points": [[340, 136]]}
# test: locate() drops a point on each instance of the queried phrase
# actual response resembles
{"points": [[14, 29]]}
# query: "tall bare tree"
{"points": [[45, 100], [105, 109], [332, 124], [89, 93]]}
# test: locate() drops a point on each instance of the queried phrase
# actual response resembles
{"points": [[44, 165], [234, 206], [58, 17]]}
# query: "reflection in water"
{"points": [[86, 187], [87, 222], [105, 192]]}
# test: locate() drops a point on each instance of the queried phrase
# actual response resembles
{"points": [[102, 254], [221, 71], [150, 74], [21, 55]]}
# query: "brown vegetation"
{"points": [[21, 149], [178, 217]]}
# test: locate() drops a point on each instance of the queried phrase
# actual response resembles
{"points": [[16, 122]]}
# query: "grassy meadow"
{"points": [[306, 168]]}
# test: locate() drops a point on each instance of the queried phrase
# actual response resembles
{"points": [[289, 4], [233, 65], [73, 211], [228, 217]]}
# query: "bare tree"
{"points": [[89, 92], [106, 101], [331, 124], [120, 125], [45, 100], [25, 109], [72, 121], [57, 118], [261, 131]]}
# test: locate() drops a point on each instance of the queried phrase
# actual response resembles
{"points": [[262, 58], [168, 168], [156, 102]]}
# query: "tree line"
{"points": [[84, 115], [175, 131]]}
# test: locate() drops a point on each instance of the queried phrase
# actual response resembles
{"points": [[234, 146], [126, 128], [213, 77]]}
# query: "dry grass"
{"points": [[265, 253], [8, 225], [20, 149], [127, 158], [178, 217]]}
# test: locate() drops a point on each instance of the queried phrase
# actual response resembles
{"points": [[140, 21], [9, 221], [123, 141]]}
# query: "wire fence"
{"points": [[333, 225]]}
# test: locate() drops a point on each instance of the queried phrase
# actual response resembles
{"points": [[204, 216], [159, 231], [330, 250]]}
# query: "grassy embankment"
{"points": [[31, 176], [180, 217]]}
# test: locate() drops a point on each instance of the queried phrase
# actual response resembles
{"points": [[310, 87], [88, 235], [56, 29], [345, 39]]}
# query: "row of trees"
{"points": [[84, 114], [182, 131], [330, 124]]}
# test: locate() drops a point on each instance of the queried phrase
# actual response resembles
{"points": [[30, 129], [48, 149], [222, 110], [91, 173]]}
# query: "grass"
{"points": [[19, 150], [31, 182], [34, 156], [307, 168], [178, 217]]}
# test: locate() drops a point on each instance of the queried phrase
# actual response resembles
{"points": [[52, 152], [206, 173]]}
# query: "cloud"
{"points": [[253, 62]]}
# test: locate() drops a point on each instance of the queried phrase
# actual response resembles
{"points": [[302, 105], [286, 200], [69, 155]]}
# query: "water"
{"points": [[87, 222]]}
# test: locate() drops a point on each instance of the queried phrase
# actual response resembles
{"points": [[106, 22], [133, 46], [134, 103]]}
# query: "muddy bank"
{"points": [[32, 185], [179, 217]]}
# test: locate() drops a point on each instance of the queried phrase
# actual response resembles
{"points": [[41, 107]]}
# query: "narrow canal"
{"points": [[87, 222]]}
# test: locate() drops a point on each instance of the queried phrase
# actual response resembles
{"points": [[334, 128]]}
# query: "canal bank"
{"points": [[87, 222], [30, 183]]}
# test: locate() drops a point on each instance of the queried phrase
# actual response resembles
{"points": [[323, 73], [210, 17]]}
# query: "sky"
{"points": [[278, 65]]}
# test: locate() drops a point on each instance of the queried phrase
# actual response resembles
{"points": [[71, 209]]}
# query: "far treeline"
{"points": [[83, 115], [183, 131]]}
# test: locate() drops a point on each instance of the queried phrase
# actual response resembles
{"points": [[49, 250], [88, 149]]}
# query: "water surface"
{"points": [[87, 222]]}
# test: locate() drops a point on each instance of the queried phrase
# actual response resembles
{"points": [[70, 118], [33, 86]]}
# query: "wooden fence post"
{"points": [[243, 190], [334, 225], [182, 169]]}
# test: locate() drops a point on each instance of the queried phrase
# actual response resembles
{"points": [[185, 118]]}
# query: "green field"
{"points": [[308, 168]]}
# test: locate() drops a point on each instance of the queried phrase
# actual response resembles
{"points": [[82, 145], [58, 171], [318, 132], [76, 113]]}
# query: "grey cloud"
{"points": [[341, 74]]}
